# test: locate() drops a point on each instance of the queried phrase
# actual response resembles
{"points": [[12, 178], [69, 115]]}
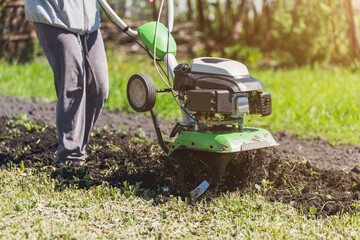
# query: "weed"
{"points": [[312, 210], [94, 148], [24, 121], [305, 160], [114, 148]]}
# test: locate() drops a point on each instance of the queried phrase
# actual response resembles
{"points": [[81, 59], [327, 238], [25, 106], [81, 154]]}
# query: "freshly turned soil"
{"points": [[122, 159]]}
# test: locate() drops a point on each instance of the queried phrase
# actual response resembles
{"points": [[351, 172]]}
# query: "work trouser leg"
{"points": [[81, 83], [97, 82]]}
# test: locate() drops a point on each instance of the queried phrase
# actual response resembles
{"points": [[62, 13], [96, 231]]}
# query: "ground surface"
{"points": [[281, 174], [318, 150]]}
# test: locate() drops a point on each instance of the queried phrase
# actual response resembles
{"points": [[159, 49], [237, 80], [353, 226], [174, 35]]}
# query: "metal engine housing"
{"points": [[220, 91]]}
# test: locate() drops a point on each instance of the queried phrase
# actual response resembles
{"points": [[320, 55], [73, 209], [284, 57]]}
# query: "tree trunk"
{"points": [[200, 10], [268, 13], [353, 33], [333, 28], [239, 19], [201, 18], [220, 34], [203, 24], [155, 9], [190, 11]]}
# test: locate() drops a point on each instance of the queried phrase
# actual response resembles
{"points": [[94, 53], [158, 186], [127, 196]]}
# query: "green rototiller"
{"points": [[213, 94]]}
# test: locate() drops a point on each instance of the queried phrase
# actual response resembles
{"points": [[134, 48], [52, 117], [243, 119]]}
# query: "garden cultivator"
{"points": [[213, 94]]}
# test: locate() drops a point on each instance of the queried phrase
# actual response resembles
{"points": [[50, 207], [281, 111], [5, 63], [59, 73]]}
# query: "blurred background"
{"points": [[265, 33]]}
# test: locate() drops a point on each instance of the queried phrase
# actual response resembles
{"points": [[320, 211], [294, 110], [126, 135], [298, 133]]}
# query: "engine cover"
{"points": [[218, 66], [215, 73]]}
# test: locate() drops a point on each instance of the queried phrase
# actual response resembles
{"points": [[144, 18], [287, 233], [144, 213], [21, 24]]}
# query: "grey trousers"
{"points": [[81, 82]]}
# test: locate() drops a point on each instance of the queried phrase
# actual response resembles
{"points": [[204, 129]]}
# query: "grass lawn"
{"points": [[34, 207], [311, 102]]}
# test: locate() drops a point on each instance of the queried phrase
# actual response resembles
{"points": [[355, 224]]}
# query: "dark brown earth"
{"points": [[320, 152], [116, 158]]}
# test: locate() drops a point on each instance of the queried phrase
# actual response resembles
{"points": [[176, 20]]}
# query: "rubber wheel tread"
{"points": [[150, 89]]}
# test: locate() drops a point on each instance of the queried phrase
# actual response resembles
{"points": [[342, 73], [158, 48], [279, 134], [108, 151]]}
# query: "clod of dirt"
{"points": [[123, 160]]}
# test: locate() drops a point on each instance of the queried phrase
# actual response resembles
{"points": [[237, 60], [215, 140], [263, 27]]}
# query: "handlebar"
{"points": [[120, 23], [117, 20], [170, 8]]}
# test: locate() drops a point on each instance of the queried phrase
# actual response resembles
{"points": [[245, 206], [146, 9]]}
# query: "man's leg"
{"points": [[64, 54], [97, 80]]}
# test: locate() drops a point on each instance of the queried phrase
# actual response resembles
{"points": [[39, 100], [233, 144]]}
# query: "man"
{"points": [[68, 32]]}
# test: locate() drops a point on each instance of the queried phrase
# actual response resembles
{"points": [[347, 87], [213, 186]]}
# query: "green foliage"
{"points": [[312, 210], [310, 31], [247, 55], [306, 32], [3, 4], [265, 186]]}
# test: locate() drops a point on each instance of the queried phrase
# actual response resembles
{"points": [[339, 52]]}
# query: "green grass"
{"points": [[32, 206], [28, 80], [309, 102], [314, 103]]}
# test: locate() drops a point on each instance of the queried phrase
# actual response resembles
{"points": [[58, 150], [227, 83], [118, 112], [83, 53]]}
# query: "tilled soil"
{"points": [[291, 147], [281, 174], [45, 112]]}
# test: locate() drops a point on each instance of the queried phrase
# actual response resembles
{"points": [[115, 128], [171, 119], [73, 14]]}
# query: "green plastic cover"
{"points": [[224, 141], [147, 36]]}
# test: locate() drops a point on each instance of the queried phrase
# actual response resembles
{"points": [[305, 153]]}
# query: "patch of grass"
{"points": [[311, 102], [314, 103], [33, 207], [27, 80]]}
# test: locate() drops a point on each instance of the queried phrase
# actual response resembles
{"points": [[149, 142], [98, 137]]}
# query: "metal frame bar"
{"points": [[117, 20]]}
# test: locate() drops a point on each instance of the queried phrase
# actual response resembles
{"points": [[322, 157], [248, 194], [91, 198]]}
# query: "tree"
{"points": [[190, 11], [353, 34]]}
